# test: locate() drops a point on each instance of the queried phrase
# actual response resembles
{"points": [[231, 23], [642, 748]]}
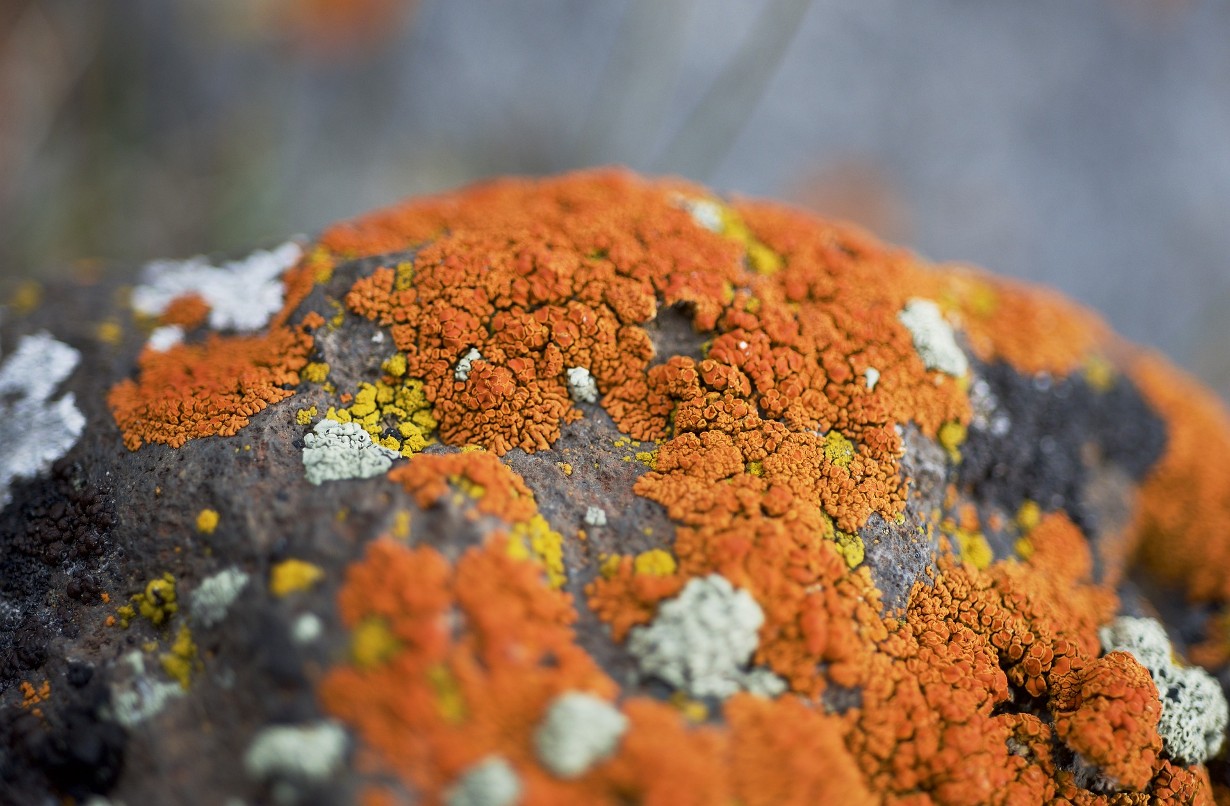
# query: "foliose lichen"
{"points": [[35, 430]]}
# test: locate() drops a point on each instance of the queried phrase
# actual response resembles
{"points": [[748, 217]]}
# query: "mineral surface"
{"points": [[645, 495]]}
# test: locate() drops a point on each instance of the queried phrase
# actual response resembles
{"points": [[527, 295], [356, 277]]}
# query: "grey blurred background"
{"points": [[1080, 143]]}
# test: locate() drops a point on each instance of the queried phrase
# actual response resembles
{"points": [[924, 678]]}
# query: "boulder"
{"points": [[600, 489]]}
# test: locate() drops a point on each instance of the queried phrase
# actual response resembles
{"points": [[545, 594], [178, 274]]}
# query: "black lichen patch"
{"points": [[68, 748], [1041, 436], [56, 536]]}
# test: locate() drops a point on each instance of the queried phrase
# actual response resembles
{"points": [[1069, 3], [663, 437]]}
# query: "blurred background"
{"points": [[1080, 143]]}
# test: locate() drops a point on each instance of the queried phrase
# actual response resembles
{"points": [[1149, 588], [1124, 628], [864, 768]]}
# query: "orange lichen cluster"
{"points": [[1033, 329], [933, 716], [207, 389], [498, 491], [483, 649], [188, 311], [1107, 713], [31, 696], [1184, 502]]}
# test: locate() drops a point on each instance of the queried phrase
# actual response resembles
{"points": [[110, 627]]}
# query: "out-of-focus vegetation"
{"points": [[1086, 145]]}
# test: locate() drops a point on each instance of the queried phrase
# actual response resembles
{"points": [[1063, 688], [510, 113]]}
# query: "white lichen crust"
{"points": [[140, 697], [461, 372], [242, 295], [582, 386], [34, 431], [490, 782], [300, 752], [1194, 709], [580, 730], [335, 451], [595, 516], [933, 337], [215, 595], [702, 640]]}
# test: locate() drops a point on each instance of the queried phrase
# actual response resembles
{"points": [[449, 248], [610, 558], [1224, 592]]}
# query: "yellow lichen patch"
{"points": [[648, 458], [385, 409], [315, 372], [693, 711], [179, 662], [207, 521], [952, 436], [565, 468], [655, 562], [838, 449], [762, 259], [306, 416], [395, 366], [372, 643], [27, 297], [536, 538], [401, 525], [157, 602], [1099, 373], [109, 331], [293, 575], [1028, 516], [1024, 548], [448, 695], [850, 547], [973, 548]]}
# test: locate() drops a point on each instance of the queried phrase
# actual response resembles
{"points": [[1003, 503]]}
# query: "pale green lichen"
{"points": [[702, 640], [213, 598], [490, 782], [579, 731], [335, 451], [309, 753], [933, 337]]}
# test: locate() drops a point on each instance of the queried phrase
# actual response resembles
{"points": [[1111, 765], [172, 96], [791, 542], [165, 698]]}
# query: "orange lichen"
{"points": [[497, 490], [777, 442], [208, 389], [32, 696], [784, 752], [1184, 502], [188, 311], [1107, 713], [1033, 329]]}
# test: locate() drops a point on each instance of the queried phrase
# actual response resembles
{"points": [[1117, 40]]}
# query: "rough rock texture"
{"points": [[594, 390]]}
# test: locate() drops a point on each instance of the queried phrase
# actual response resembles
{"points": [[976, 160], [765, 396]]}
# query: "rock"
{"points": [[554, 411]]}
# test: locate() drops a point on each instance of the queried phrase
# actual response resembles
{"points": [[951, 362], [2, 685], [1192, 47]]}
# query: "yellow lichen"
{"points": [[372, 643], [207, 521], [379, 407], [543, 543], [655, 562], [974, 549], [315, 372], [180, 661], [401, 525], [293, 575], [838, 449], [449, 700], [156, 602], [305, 416], [850, 547], [27, 297], [1028, 516], [952, 435], [109, 332]]}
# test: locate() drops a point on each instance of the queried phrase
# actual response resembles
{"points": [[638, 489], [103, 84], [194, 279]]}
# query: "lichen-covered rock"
{"points": [[601, 490]]}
